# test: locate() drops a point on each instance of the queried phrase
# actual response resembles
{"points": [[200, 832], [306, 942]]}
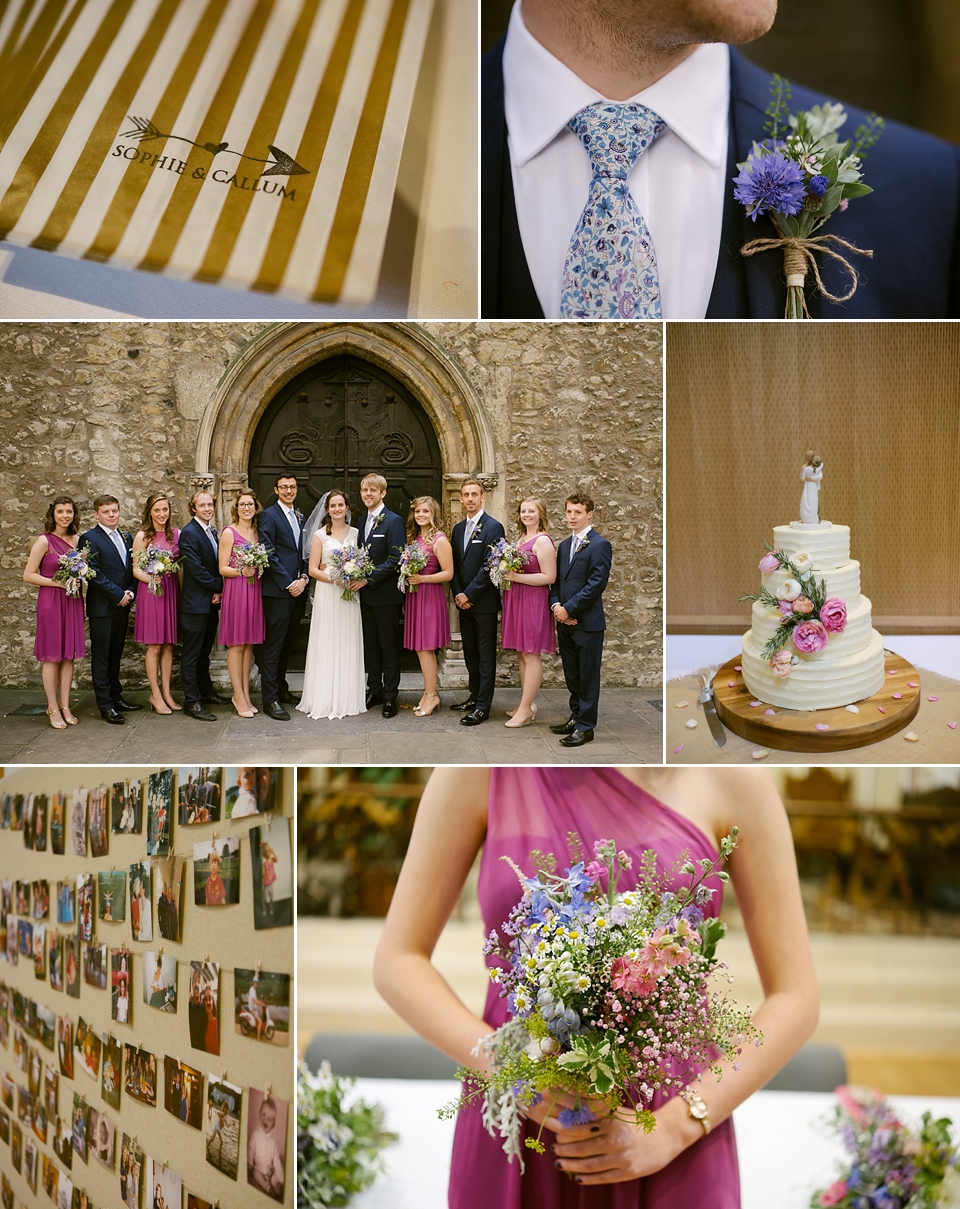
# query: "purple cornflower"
{"points": [[770, 182], [581, 1115], [817, 185]]}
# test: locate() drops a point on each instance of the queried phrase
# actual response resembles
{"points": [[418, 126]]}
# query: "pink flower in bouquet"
{"points": [[632, 977], [833, 615], [786, 607], [594, 870], [769, 562], [781, 663], [809, 636], [803, 604], [834, 1194]]}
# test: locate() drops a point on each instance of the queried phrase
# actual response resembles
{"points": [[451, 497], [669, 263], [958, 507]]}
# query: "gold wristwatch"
{"points": [[697, 1108]]}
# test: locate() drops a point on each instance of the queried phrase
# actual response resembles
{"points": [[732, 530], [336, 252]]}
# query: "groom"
{"points": [[284, 595], [199, 607], [383, 534]]}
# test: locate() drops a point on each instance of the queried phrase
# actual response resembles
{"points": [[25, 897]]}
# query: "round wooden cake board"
{"points": [[796, 730]]}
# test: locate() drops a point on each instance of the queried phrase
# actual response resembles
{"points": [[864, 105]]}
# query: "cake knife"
{"points": [[710, 709]]}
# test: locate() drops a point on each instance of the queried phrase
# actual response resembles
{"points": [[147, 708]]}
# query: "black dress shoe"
{"points": [[276, 711], [214, 699], [464, 707], [475, 717], [565, 728], [389, 709], [112, 715], [577, 738], [290, 698], [373, 699], [127, 707], [196, 710]]}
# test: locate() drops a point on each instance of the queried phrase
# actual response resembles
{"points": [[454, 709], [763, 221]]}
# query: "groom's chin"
{"points": [[733, 21]]}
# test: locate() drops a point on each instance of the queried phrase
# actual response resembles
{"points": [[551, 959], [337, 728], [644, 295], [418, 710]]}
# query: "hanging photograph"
{"points": [[34, 1072], [55, 953], [66, 903], [12, 955], [170, 871], [140, 1075], [216, 872], [112, 896], [51, 1082], [71, 966], [16, 1146], [85, 894], [25, 1107], [7, 1087], [204, 1006], [30, 1157], [183, 1092], [41, 900], [63, 1142], [81, 1124], [65, 1046], [198, 795], [125, 808], [40, 804], [27, 821], [102, 1138], [97, 821], [141, 910], [81, 1200], [4, 1128], [159, 812], [95, 966], [58, 829], [39, 951], [49, 1177], [120, 966], [249, 791], [67, 1195], [46, 1024], [164, 1185], [39, 1121], [197, 1202], [262, 1005], [272, 874], [223, 1125], [16, 819], [131, 1165], [266, 1142], [86, 1050], [25, 938], [78, 822], [160, 981], [110, 1070], [23, 898]]}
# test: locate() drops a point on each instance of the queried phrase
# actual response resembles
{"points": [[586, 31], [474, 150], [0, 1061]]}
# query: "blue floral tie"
{"points": [[611, 267]]}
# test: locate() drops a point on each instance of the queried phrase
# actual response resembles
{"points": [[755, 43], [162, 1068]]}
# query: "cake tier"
{"points": [[843, 581], [855, 636], [814, 684], [829, 548]]}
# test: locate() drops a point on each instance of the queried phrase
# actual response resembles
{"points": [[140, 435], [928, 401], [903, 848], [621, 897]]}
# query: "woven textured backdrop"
{"points": [[879, 402]]}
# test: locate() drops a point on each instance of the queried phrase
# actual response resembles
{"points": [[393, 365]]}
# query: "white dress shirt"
{"points": [[579, 538], [291, 521], [119, 544], [470, 528], [371, 517], [678, 184]]}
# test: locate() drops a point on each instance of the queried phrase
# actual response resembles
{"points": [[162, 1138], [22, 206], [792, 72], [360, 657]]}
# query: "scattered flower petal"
{"points": [[691, 723], [678, 749], [952, 725], [681, 705], [761, 753], [737, 667], [898, 696], [912, 684], [933, 698], [881, 709], [911, 736], [770, 712], [754, 704], [731, 684], [851, 709], [821, 726], [892, 671]]}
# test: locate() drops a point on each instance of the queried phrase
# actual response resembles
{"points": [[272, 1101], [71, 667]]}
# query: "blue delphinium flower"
{"points": [[770, 182], [581, 1115]]}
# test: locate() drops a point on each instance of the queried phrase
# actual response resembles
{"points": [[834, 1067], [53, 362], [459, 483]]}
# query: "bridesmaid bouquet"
{"points": [[252, 554], [350, 564], [413, 558], [608, 993], [894, 1166], [74, 570], [157, 563], [504, 556]]}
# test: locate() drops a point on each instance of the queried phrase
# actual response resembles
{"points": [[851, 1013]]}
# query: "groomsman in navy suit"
{"points": [[109, 596], [199, 607], [478, 601], [384, 535], [284, 595], [576, 601]]}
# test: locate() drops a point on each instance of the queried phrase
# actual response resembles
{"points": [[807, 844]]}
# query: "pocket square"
{"points": [[373, 535]]}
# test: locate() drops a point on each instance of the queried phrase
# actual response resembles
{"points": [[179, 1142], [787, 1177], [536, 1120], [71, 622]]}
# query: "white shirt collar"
{"points": [[379, 508], [475, 519], [541, 95], [109, 532], [583, 532]]}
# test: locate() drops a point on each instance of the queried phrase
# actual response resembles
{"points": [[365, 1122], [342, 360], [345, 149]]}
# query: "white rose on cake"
{"points": [[803, 563], [789, 590]]}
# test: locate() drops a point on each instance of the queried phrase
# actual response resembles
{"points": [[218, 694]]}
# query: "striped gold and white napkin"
{"points": [[252, 143]]}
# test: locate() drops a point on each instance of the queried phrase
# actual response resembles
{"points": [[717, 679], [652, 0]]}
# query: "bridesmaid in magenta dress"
{"points": [[684, 1163], [241, 610], [60, 638], [527, 626], [156, 622], [426, 617]]}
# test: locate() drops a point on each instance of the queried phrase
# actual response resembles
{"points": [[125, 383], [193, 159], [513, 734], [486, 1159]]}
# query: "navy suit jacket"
{"points": [[911, 221], [201, 570], [384, 544], [580, 581], [113, 578], [286, 560], [470, 574]]}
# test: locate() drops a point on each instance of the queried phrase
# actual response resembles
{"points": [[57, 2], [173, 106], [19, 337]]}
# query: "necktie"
{"points": [[294, 525], [577, 543], [212, 534], [368, 527], [468, 533], [611, 266], [121, 548]]}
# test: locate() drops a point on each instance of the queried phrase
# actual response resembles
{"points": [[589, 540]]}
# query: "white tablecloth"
{"points": [[784, 1152]]}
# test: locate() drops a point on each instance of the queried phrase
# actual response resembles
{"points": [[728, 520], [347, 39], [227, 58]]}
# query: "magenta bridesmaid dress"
{"points": [[426, 619], [535, 808], [59, 616], [157, 618], [527, 624], [241, 609]]}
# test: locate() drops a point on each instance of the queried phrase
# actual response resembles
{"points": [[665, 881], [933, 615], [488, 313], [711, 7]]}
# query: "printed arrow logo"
{"points": [[281, 164]]}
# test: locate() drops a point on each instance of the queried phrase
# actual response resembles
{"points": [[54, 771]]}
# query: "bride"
{"points": [[333, 679]]}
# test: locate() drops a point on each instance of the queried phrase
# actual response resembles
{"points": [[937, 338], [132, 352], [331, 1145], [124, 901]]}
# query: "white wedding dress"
{"points": [[334, 682]]}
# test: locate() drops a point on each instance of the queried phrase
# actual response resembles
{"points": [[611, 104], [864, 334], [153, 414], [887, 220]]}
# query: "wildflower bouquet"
{"points": [[807, 615], [252, 554], [608, 992], [75, 569], [350, 564], [413, 558], [799, 175], [156, 562], [504, 556], [338, 1147], [894, 1166]]}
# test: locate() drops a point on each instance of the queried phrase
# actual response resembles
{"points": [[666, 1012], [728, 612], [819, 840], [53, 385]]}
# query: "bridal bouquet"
{"points": [[413, 558], [75, 569], [504, 556], [807, 615], [350, 564], [608, 992], [894, 1166], [252, 554], [799, 175], [156, 562]]}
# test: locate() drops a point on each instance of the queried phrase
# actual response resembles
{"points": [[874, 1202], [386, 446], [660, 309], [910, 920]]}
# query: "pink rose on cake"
{"points": [[786, 608], [803, 604], [789, 590], [781, 663], [769, 562], [833, 615], [809, 636]]}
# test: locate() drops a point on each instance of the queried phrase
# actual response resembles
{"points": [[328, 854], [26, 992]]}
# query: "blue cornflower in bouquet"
{"points": [[75, 569], [798, 176]]}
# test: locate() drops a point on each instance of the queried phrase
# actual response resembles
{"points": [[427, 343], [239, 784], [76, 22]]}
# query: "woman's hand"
{"points": [[248, 572], [416, 579]]}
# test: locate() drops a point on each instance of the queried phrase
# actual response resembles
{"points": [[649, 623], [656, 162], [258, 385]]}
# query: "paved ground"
{"points": [[630, 732]]}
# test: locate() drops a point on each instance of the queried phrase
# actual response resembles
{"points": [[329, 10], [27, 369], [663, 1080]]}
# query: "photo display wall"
{"points": [[146, 987]]}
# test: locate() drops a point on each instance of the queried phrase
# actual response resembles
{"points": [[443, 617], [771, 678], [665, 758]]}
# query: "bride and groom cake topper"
{"points": [[811, 475]]}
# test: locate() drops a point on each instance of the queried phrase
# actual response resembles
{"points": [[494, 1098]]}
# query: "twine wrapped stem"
{"points": [[799, 259]]}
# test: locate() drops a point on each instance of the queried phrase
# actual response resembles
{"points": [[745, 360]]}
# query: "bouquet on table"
{"points": [[413, 558], [608, 992], [75, 569], [894, 1166], [252, 554], [799, 175], [504, 556], [348, 565], [156, 562]]}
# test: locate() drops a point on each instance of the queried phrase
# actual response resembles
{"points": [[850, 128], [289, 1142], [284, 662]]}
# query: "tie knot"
{"points": [[615, 136]]}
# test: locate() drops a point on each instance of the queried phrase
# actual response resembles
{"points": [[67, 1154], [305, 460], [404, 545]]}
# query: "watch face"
{"points": [[698, 1109]]}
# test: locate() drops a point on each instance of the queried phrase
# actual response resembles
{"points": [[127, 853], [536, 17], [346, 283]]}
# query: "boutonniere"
{"points": [[214, 531], [478, 528], [298, 515], [125, 534], [799, 175], [377, 521]]}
